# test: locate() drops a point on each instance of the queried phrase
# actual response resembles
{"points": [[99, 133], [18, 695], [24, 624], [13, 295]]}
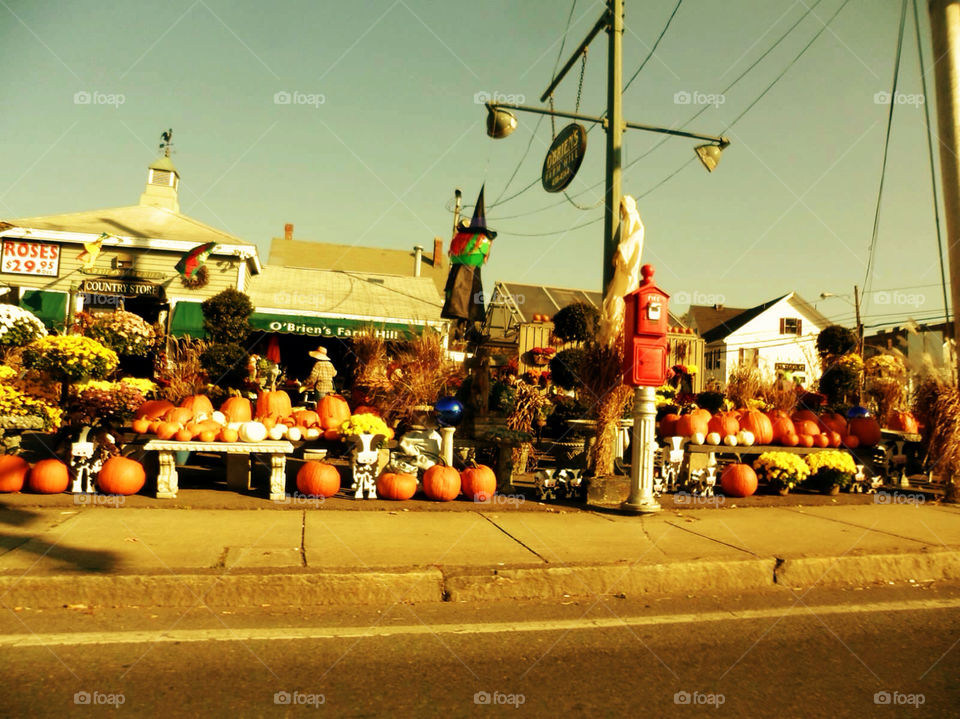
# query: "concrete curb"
{"points": [[857, 570], [355, 588], [225, 590]]}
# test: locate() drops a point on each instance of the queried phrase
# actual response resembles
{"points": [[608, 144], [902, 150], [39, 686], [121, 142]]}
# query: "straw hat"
{"points": [[319, 353]]}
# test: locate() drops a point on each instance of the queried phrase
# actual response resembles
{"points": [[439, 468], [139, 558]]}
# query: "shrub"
{"points": [[577, 322], [565, 368], [225, 364], [834, 341], [225, 317]]}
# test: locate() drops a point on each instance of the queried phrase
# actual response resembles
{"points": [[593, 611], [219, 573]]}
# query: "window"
{"points": [[791, 326], [749, 357], [712, 359]]}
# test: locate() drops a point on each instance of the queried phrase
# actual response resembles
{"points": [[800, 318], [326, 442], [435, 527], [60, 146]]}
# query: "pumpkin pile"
{"points": [[48, 476], [747, 427]]}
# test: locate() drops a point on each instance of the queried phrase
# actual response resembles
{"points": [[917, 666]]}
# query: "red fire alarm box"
{"points": [[645, 333]]}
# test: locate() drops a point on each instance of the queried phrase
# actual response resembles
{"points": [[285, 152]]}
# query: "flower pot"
{"points": [[541, 360], [783, 491], [831, 490]]}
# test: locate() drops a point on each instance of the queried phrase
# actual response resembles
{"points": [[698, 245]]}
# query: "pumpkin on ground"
{"points": [[49, 476], [724, 423], [318, 479], [237, 409], [274, 403], [904, 422], [333, 410], [441, 483], [393, 485], [153, 409], [198, 404], [866, 429], [738, 480], [478, 483], [758, 424], [121, 475], [13, 472]]}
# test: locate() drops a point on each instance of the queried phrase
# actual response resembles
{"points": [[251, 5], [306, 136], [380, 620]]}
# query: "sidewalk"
{"points": [[51, 556]]}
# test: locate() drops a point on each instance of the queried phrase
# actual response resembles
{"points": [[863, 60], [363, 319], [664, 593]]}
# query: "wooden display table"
{"points": [[238, 463]]}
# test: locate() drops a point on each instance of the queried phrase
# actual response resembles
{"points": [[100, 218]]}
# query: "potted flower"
{"points": [[831, 471], [361, 430], [542, 355], [19, 327], [781, 470]]}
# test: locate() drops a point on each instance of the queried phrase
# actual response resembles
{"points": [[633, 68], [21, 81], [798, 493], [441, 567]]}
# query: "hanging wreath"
{"points": [[200, 279]]}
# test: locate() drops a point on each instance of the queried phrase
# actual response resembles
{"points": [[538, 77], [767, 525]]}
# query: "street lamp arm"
{"points": [[581, 48], [723, 142]]}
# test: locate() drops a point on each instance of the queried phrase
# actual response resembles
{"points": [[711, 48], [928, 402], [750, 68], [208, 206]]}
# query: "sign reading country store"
{"points": [[123, 288]]}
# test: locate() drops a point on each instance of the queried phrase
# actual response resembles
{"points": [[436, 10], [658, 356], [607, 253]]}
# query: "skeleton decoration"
{"points": [[365, 458]]}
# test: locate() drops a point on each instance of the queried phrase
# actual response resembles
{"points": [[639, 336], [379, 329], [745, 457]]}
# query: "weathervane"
{"points": [[166, 142]]}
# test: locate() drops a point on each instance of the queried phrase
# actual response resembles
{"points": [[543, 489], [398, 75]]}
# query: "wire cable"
{"points": [[886, 149]]}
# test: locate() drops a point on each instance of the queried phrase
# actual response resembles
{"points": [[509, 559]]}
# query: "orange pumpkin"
{"points": [[805, 415], [121, 475], [833, 422], [268, 422], [758, 424], [198, 404], [306, 418], [866, 429], [668, 425], [478, 483], [904, 422], [723, 423], [141, 426], [333, 410], [805, 440], [207, 435], [789, 440], [155, 425], [782, 427], [851, 441], [318, 479], [13, 472], [806, 427], [183, 435], [178, 415], [153, 409], [228, 434], [689, 424], [702, 413], [835, 438], [821, 440], [738, 480], [237, 409], [441, 483], [393, 485], [275, 403], [49, 476], [331, 434], [167, 430]]}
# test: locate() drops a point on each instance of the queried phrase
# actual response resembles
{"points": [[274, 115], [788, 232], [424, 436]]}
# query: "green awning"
{"points": [[50, 307], [332, 327], [187, 319]]}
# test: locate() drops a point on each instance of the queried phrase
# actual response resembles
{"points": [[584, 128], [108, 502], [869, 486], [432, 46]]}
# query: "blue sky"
{"points": [[385, 125]]}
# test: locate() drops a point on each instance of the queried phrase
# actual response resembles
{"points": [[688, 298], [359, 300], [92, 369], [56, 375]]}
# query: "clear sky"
{"points": [[383, 125]]}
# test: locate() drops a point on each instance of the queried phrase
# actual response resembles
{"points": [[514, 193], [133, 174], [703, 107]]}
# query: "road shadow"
{"points": [[87, 560]]}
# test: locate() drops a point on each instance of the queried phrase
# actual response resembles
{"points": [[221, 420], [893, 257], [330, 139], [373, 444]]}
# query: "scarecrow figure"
{"points": [[320, 381], [469, 250]]}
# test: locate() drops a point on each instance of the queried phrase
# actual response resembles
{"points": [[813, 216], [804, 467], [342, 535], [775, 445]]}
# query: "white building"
{"points": [[777, 337]]}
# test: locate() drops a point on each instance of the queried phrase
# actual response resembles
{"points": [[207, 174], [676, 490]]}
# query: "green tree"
{"points": [[226, 317]]}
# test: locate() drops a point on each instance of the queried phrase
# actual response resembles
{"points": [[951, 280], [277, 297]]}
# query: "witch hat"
{"points": [[479, 221]]}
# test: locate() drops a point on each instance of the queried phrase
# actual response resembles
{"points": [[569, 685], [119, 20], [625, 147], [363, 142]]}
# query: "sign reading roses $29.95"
{"points": [[22, 257]]}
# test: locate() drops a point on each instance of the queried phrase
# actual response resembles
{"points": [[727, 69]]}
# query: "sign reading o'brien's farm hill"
{"points": [[564, 157]]}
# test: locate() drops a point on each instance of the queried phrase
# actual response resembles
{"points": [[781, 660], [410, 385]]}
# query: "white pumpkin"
{"points": [[730, 440], [252, 432], [696, 438], [312, 433], [277, 431], [714, 438], [294, 434], [745, 438], [219, 417], [235, 425]]}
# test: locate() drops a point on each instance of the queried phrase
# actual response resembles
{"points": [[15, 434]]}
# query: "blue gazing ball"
{"points": [[857, 412], [449, 411]]}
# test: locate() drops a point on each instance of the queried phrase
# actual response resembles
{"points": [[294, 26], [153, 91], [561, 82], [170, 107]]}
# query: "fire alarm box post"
{"points": [[646, 321]]}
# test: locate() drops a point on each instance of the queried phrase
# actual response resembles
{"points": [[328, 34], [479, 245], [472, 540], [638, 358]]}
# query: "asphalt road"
{"points": [[778, 654]]}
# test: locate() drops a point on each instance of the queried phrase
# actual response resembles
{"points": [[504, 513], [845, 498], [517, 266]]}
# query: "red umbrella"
{"points": [[273, 349]]}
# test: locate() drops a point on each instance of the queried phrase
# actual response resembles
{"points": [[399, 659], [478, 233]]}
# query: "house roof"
{"points": [[729, 325], [134, 221], [529, 300], [354, 258], [345, 294], [704, 318]]}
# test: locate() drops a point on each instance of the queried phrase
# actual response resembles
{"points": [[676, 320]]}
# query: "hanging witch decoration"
{"points": [[469, 250]]}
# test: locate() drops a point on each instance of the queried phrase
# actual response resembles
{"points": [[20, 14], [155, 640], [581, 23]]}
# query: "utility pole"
{"points": [[945, 29], [856, 308], [614, 185]]}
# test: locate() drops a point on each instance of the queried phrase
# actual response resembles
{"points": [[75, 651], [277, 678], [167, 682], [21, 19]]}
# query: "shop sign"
{"points": [[125, 273], [333, 330], [24, 257], [789, 367], [564, 158], [124, 288]]}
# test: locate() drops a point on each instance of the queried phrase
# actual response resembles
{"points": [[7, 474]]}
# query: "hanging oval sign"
{"points": [[564, 157]]}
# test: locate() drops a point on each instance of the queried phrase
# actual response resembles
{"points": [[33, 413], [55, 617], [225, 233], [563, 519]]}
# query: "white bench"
{"points": [[238, 463]]}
